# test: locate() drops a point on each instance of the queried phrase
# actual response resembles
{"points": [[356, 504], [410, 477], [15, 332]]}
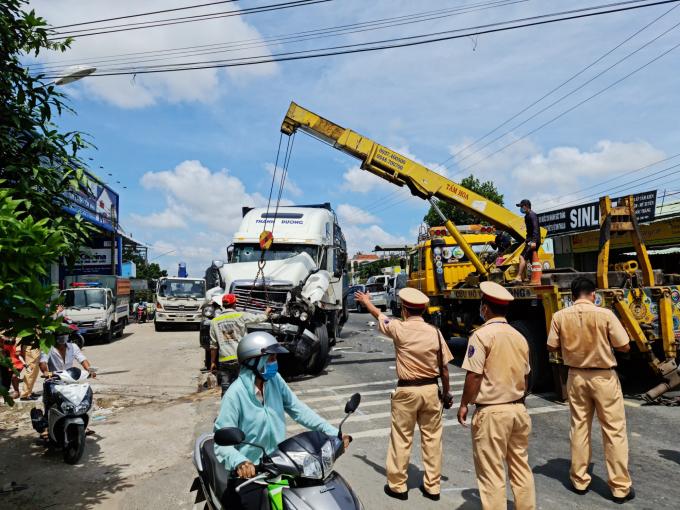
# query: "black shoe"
{"points": [[429, 495], [403, 496], [628, 497], [580, 492], [30, 398]]}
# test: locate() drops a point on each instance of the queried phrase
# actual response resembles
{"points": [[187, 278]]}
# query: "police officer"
{"points": [[497, 364], [421, 357], [586, 334], [226, 330]]}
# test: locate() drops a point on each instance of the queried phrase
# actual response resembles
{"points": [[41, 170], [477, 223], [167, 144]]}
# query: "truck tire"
{"points": [[320, 358], [540, 378], [108, 335], [157, 326], [120, 328]]}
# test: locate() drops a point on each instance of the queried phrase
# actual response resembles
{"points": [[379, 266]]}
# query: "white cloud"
{"points": [[167, 219], [148, 89], [353, 215], [363, 238]]}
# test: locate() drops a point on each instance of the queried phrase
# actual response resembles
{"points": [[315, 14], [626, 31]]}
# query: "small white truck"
{"points": [[98, 304], [178, 301], [302, 279]]}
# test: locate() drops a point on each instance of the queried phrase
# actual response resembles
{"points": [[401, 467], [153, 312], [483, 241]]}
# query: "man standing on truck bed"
{"points": [[586, 333], [226, 331], [421, 356], [533, 239]]}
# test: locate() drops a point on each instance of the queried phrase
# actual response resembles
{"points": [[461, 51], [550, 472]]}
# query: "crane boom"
{"points": [[402, 171]]}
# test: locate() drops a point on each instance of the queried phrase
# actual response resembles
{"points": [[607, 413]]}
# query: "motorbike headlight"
{"points": [[327, 457], [208, 312], [68, 407], [308, 463], [296, 313], [304, 316]]}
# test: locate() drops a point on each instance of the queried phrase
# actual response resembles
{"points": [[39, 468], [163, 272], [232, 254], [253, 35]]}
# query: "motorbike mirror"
{"points": [[353, 403], [229, 436]]}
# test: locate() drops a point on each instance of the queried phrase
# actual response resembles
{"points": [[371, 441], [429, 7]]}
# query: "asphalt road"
{"points": [[149, 414]]}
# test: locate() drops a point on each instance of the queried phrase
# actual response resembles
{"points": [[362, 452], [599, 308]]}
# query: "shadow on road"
{"points": [[558, 469], [672, 455], [415, 474], [473, 502], [362, 361], [49, 482]]}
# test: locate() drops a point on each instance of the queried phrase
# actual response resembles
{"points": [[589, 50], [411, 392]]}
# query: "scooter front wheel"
{"points": [[75, 445]]}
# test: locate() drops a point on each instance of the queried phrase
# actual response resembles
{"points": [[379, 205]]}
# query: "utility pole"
{"points": [[113, 240]]}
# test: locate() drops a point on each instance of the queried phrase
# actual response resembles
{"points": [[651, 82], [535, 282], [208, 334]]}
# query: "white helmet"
{"points": [[256, 344]]}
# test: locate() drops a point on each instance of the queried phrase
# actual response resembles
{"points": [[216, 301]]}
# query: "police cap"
{"points": [[413, 298], [495, 293]]}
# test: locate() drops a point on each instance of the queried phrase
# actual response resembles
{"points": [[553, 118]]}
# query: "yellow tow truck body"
{"points": [[646, 301]]}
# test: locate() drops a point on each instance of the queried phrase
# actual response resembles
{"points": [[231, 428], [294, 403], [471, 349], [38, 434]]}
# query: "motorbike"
{"points": [[304, 463], [141, 313], [70, 398]]}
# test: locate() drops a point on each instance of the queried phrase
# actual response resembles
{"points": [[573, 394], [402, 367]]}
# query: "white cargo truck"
{"points": [[178, 301], [302, 279], [98, 304]]}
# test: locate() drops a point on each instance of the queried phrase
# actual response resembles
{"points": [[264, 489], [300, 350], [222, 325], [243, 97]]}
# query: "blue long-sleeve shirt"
{"points": [[264, 425]]}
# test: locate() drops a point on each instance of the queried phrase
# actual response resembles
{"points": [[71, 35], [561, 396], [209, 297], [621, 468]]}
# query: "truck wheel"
{"points": [[540, 377], [120, 328], [360, 309], [157, 326], [108, 336], [320, 358]]}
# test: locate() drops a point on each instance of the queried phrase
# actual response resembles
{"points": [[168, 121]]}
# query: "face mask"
{"points": [[267, 369], [521, 210], [62, 339]]}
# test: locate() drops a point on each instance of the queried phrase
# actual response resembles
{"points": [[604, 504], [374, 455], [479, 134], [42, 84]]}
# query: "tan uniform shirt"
{"points": [[501, 354], [586, 334], [416, 344]]}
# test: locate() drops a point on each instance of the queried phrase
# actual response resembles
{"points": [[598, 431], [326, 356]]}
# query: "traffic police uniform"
{"points": [[586, 333], [417, 348], [226, 330], [501, 424]]}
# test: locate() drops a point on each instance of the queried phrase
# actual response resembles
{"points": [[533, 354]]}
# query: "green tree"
{"points": [[39, 164], [458, 216]]}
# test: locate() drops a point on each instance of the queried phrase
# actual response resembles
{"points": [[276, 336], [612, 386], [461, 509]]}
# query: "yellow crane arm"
{"points": [[402, 171]]}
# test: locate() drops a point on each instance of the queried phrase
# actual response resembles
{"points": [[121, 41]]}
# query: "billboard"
{"points": [[579, 218], [95, 202]]}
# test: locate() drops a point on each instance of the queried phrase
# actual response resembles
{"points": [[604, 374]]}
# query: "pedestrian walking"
{"points": [[10, 380], [226, 330], [586, 334], [31, 356], [421, 357], [497, 364]]}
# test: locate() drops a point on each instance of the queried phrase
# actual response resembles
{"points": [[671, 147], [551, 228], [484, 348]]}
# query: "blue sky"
{"points": [[193, 147]]}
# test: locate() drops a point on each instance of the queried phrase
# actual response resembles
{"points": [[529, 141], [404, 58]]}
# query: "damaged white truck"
{"points": [[302, 278]]}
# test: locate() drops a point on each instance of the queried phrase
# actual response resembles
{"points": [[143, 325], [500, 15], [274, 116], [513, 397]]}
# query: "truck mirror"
{"points": [[230, 252]]}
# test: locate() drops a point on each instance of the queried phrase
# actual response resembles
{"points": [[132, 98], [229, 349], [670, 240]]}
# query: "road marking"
{"points": [[363, 393], [632, 404], [358, 385], [383, 432]]}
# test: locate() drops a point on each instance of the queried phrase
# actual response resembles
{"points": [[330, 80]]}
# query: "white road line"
{"points": [[358, 385], [363, 394], [383, 432]]}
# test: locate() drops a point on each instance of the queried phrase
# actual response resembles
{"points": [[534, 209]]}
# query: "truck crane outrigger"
{"points": [[645, 305]]}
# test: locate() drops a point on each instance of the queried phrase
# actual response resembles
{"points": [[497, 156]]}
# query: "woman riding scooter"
{"points": [[255, 403]]}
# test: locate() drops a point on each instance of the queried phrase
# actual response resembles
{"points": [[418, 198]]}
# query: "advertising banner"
{"points": [[95, 202], [579, 218]]}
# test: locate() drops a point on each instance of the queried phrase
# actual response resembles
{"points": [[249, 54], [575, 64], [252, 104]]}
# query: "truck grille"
{"points": [[181, 308], [87, 324], [255, 298]]}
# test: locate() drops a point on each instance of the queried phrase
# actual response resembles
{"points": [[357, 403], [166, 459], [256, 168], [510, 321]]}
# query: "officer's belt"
{"points": [[518, 401], [416, 382], [592, 368]]}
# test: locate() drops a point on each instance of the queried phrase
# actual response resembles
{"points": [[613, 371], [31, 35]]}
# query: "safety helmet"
{"points": [[256, 344], [229, 300]]}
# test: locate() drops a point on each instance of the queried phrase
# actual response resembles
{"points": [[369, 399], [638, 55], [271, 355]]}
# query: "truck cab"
{"points": [[178, 301], [301, 278]]}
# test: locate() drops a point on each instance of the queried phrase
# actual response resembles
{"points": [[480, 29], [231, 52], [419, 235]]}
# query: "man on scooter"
{"points": [[255, 403]]}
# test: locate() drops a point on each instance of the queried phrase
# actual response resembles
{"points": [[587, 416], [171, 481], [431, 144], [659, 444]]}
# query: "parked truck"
{"points": [[646, 301], [98, 304], [178, 302], [300, 277]]}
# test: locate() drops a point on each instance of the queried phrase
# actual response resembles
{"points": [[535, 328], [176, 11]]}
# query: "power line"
{"points": [[143, 14], [181, 20], [574, 76], [388, 43], [284, 38]]}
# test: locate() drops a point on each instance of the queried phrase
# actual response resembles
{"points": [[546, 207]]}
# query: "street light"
{"points": [[74, 73]]}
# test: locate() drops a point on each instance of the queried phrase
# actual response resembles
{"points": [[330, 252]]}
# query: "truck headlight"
{"points": [[99, 323], [304, 316], [208, 312]]}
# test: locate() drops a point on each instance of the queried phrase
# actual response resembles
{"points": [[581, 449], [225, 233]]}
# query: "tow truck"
{"points": [[646, 301]]}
